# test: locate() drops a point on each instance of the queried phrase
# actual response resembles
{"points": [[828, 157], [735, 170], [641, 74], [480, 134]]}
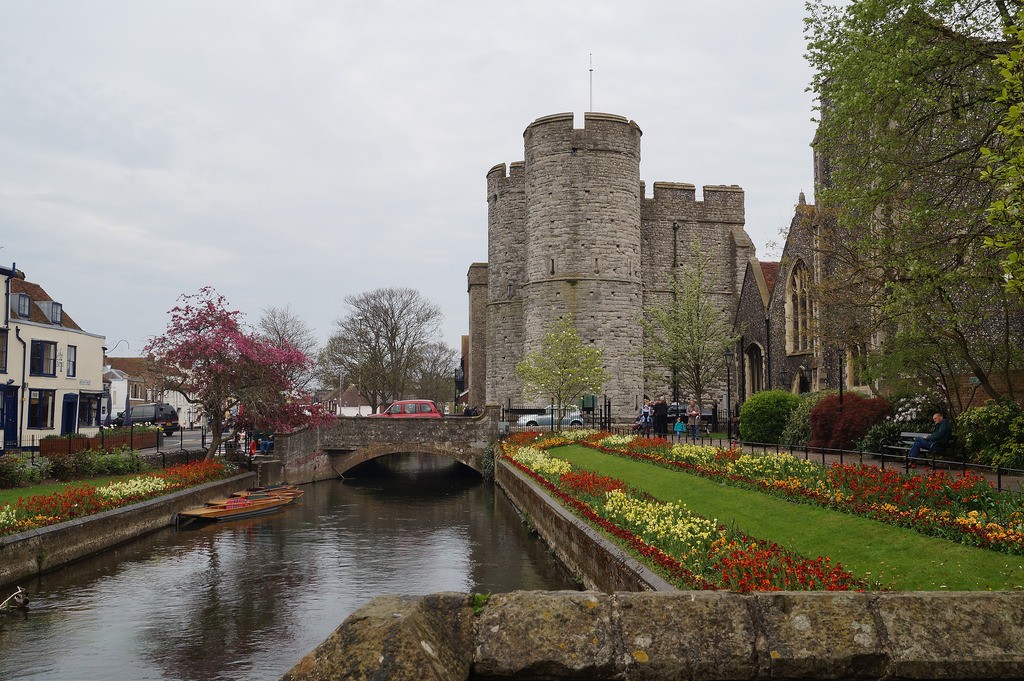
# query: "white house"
{"points": [[51, 370]]}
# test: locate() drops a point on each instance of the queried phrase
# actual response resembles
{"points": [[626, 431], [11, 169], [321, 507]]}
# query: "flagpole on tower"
{"points": [[591, 82]]}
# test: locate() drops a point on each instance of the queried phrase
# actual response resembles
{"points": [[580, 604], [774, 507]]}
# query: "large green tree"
{"points": [[907, 92], [564, 368], [688, 334], [1006, 165]]}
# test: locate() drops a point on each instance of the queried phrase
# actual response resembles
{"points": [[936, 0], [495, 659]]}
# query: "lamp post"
{"points": [[460, 384], [842, 377], [728, 393]]}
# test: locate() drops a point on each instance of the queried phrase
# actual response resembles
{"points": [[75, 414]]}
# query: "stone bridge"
{"points": [[328, 452]]}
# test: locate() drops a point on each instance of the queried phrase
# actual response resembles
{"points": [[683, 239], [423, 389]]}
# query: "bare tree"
{"points": [[435, 376], [282, 327], [379, 344]]}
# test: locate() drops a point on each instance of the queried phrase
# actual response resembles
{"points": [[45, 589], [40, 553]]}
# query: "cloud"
{"points": [[295, 153]]}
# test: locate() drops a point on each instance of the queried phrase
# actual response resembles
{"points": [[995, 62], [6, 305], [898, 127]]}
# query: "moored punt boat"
{"points": [[290, 492], [236, 508]]}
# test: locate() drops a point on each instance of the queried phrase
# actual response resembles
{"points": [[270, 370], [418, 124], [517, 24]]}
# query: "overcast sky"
{"points": [[298, 152]]}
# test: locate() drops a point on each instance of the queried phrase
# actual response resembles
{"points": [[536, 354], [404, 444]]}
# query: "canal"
{"points": [[247, 599]]}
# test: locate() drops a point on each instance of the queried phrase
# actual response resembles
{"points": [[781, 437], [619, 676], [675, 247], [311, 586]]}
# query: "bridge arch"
{"points": [[344, 461], [327, 452]]}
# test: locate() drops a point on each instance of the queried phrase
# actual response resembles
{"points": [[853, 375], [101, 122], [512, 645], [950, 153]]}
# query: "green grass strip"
{"points": [[898, 558], [10, 496]]}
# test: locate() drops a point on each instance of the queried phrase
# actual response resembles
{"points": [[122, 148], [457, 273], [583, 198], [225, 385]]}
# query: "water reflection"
{"points": [[245, 600]]}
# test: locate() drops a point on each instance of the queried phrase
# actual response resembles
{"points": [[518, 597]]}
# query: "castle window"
{"points": [[510, 290], [552, 265], [799, 310]]}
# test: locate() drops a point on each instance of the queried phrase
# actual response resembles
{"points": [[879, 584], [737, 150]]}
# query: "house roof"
{"points": [[352, 398], [37, 294], [131, 366], [770, 271]]}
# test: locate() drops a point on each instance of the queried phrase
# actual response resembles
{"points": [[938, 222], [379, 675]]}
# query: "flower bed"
{"points": [[79, 501], [964, 508], [692, 551]]}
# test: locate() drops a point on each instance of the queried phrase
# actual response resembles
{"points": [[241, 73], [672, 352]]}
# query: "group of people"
{"points": [[654, 418]]}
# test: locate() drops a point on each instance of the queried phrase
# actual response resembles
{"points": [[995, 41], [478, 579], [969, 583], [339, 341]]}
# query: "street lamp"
{"points": [[728, 393]]}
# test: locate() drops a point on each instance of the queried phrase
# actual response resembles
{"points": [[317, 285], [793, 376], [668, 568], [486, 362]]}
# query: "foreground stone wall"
{"points": [[30, 553], [680, 635]]}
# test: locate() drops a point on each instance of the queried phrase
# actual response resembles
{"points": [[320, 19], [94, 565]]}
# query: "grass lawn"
{"points": [[9, 496], [897, 558]]}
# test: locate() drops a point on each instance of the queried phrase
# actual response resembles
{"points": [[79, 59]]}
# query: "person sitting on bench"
{"points": [[935, 441]]}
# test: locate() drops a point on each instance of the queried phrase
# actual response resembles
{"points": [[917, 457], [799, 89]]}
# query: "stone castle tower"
{"points": [[571, 233]]}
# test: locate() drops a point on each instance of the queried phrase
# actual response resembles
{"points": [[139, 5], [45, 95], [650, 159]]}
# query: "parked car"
{"points": [[570, 417], [157, 414], [411, 409]]}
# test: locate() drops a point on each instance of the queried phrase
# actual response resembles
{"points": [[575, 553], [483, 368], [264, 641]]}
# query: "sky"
{"points": [[293, 153]]}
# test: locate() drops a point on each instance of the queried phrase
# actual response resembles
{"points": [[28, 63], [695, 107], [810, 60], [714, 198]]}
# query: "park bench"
{"points": [[902, 448]]}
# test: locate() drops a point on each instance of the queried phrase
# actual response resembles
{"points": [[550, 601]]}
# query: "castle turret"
{"points": [[583, 241], [506, 246]]}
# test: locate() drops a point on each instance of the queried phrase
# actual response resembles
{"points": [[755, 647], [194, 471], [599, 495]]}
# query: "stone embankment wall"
{"points": [[31, 553], [680, 635], [598, 563]]}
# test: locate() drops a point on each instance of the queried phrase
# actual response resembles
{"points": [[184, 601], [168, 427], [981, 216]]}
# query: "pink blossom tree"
{"points": [[208, 355]]}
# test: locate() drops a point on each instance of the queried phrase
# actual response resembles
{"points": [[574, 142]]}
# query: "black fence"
{"points": [[591, 412], [1003, 478]]}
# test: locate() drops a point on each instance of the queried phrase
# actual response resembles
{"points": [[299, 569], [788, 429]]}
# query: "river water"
{"points": [[247, 599]]}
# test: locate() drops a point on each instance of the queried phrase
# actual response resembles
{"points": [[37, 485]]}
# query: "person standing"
{"points": [[694, 414], [661, 417], [680, 429], [646, 415]]}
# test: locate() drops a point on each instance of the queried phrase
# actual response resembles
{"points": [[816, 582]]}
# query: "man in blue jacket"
{"points": [[936, 441]]}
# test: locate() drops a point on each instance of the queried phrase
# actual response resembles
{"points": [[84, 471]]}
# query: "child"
{"points": [[680, 429]]}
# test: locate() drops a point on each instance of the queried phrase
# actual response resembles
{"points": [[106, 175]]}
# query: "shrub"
{"points": [[836, 425], [764, 415], [119, 462], [993, 433], [17, 470], [798, 425]]}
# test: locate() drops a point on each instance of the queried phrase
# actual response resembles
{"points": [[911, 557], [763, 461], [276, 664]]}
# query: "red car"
{"points": [[411, 409]]}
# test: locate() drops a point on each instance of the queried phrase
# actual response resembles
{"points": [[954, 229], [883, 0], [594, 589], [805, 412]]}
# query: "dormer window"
{"points": [[23, 303], [56, 313]]}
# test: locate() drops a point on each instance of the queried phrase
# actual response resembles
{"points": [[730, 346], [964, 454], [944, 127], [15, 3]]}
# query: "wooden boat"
{"points": [[290, 492], [236, 508]]}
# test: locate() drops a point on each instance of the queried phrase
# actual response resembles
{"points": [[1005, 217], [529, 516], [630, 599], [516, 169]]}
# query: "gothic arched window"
{"points": [[754, 360], [799, 310]]}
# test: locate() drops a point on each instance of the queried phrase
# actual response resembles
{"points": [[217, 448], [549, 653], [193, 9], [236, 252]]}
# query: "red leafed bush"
{"points": [[836, 425]]}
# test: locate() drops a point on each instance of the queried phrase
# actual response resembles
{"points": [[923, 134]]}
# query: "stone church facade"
{"points": [[778, 321], [571, 232]]}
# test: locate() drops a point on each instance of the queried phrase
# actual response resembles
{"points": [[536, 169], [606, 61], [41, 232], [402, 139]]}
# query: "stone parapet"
{"points": [[680, 635]]}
